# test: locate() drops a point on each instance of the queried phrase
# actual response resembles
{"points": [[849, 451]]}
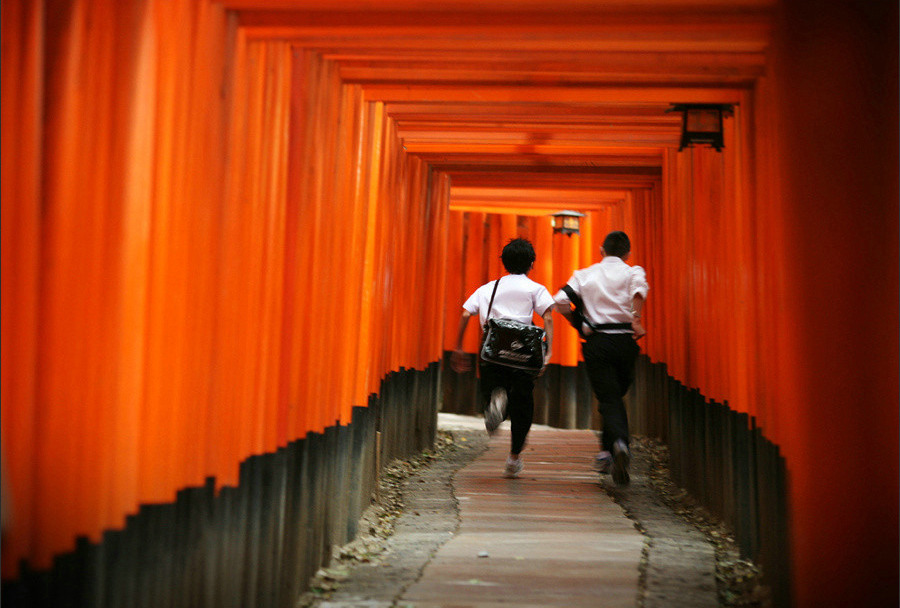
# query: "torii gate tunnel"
{"points": [[236, 236]]}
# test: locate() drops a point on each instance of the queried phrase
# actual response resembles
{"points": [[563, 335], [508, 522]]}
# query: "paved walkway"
{"points": [[467, 537], [552, 537]]}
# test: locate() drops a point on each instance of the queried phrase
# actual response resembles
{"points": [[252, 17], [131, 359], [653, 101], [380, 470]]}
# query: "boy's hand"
{"points": [[639, 331]]}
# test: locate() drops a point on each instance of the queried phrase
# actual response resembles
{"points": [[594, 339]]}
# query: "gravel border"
{"points": [[413, 514], [658, 504]]}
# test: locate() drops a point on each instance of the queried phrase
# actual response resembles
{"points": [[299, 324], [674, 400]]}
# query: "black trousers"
{"points": [[519, 385], [610, 360]]}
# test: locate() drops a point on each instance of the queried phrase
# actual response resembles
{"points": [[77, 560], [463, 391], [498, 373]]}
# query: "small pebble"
{"points": [[483, 554]]}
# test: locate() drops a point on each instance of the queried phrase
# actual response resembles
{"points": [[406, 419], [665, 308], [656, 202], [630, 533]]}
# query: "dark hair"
{"points": [[518, 256], [616, 244]]}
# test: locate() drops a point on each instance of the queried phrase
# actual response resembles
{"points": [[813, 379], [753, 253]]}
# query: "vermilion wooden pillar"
{"points": [[837, 68]]}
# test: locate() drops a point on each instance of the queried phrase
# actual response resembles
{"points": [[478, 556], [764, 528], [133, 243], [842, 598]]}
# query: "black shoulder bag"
{"points": [[512, 344]]}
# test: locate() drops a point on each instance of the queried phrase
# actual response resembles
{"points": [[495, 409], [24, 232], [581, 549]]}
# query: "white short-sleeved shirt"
{"points": [[518, 298], [607, 289]]}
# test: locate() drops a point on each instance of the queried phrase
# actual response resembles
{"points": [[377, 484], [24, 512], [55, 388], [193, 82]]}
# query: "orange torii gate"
{"points": [[229, 226]]}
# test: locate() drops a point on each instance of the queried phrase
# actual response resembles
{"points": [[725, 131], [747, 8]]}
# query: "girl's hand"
{"points": [[460, 362]]}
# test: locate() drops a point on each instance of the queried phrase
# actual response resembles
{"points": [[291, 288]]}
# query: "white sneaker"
{"points": [[496, 411], [603, 462], [621, 460], [513, 468]]}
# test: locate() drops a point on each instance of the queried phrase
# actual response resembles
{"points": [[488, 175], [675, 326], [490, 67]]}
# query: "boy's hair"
{"points": [[518, 256], [616, 244]]}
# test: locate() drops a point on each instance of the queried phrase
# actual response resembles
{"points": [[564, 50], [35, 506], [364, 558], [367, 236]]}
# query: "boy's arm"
{"points": [[566, 311], [637, 305], [575, 317]]}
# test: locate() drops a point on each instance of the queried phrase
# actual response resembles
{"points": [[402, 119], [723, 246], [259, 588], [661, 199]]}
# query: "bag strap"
{"points": [[574, 298], [487, 317], [578, 318]]}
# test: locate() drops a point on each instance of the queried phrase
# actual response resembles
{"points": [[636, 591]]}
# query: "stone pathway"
{"points": [[554, 537], [548, 538]]}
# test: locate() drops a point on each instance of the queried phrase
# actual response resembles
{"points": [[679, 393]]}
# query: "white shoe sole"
{"points": [[511, 474], [496, 410]]}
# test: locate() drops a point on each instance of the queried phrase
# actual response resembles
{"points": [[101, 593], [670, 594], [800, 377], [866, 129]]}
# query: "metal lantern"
{"points": [[566, 222], [701, 123]]}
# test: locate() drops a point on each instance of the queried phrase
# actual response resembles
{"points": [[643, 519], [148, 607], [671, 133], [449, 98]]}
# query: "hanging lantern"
{"points": [[567, 222], [701, 123]]}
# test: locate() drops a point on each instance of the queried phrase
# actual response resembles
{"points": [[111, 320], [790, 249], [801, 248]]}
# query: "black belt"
{"points": [[602, 326]]}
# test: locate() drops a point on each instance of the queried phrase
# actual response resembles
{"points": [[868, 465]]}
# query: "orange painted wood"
{"points": [[21, 227], [194, 191]]}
